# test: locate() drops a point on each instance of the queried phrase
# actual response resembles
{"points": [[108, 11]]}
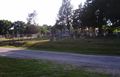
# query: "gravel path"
{"points": [[111, 64]]}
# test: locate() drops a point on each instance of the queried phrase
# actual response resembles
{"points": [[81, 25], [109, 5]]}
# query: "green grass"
{"points": [[99, 45], [13, 67]]}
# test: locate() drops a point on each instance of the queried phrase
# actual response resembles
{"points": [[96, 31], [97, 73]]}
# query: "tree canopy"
{"points": [[5, 26], [19, 26]]}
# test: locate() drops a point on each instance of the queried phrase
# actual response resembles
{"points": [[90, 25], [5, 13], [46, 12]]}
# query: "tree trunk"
{"points": [[100, 31]]}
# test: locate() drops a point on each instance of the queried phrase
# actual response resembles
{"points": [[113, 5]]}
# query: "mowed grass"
{"points": [[14, 67], [99, 45]]}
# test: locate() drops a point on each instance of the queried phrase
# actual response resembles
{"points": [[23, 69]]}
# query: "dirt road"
{"points": [[72, 58]]}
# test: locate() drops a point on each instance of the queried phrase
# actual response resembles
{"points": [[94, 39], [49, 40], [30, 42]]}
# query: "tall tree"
{"points": [[76, 17], [32, 27], [32, 18], [65, 14], [93, 14], [113, 12]]}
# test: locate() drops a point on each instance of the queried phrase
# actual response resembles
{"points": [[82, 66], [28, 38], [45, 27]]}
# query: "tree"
{"points": [[5, 26], [32, 29], [93, 14], [113, 12], [44, 29], [65, 14], [32, 18], [19, 26], [76, 17]]}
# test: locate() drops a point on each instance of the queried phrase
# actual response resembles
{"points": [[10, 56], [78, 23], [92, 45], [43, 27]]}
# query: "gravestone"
{"points": [[54, 38], [0, 36], [118, 35], [22, 35], [38, 35], [93, 35], [51, 39], [18, 35], [74, 36], [65, 32], [34, 35], [82, 36]]}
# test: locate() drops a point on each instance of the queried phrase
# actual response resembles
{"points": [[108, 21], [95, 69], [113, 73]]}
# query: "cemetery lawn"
{"points": [[14, 67], [108, 45]]}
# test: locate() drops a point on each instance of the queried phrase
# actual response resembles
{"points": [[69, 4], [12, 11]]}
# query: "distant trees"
{"points": [[93, 14], [5, 26], [45, 28]]}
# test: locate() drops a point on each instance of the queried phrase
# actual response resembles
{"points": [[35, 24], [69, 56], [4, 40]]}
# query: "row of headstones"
{"points": [[23, 35], [82, 36]]}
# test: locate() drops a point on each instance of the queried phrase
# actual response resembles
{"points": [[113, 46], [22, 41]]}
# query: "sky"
{"points": [[47, 10]]}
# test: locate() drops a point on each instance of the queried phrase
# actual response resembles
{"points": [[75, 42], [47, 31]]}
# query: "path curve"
{"points": [[72, 58]]}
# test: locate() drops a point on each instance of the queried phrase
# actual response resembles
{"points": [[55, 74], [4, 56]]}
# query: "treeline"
{"points": [[7, 27], [20, 27], [101, 14]]}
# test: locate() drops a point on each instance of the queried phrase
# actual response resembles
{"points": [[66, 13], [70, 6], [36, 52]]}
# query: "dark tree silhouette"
{"points": [[64, 15]]}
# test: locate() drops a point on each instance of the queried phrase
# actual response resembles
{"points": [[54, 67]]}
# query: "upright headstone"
{"points": [[118, 35], [13, 36], [51, 39], [82, 36], [0, 36], [65, 32], [93, 35], [74, 36], [54, 38], [22, 35]]}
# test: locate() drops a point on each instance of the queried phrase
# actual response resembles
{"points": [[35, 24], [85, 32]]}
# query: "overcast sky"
{"points": [[47, 10]]}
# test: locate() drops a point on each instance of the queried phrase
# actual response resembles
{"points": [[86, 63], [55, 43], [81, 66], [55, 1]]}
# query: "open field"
{"points": [[99, 45], [14, 67]]}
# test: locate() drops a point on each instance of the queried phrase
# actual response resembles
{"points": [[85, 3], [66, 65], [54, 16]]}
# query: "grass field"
{"points": [[99, 45], [10, 67]]}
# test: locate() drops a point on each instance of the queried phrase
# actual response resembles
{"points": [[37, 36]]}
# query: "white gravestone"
{"points": [[34, 35], [65, 32]]}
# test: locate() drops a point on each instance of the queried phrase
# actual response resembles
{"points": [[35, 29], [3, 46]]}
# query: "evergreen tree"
{"points": [[65, 14]]}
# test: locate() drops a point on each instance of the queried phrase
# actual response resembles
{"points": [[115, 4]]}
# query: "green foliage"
{"points": [[19, 26], [43, 29], [92, 14], [71, 29], [111, 29], [5, 26], [32, 29]]}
